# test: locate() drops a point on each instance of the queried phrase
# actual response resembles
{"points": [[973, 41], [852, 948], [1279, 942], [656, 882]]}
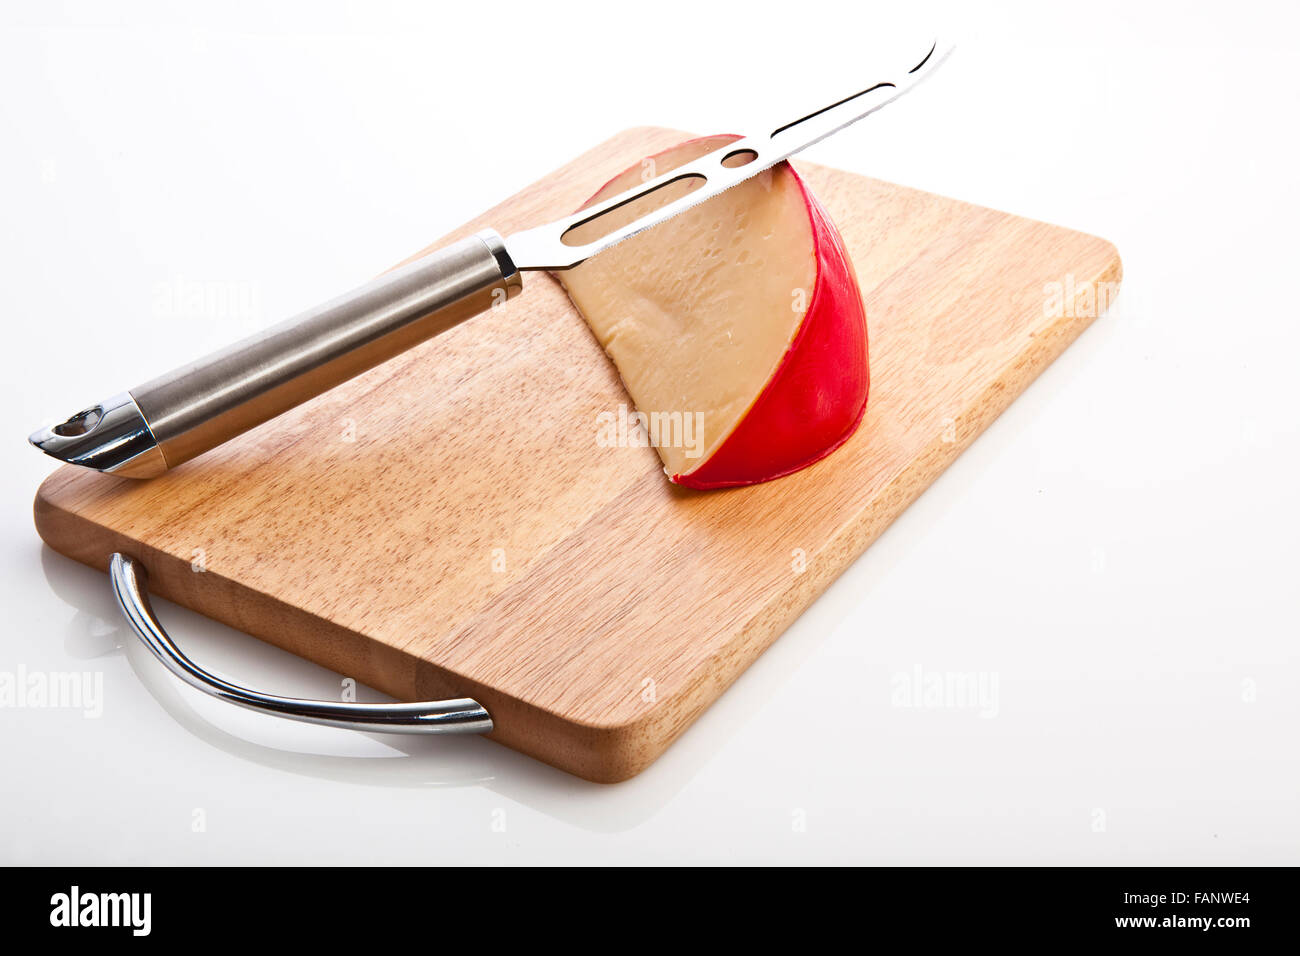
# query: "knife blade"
{"points": [[143, 432], [545, 247]]}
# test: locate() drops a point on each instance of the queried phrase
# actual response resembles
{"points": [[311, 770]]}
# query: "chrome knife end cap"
{"points": [[113, 436]]}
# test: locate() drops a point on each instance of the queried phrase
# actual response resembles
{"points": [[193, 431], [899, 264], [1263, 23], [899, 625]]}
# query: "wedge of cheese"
{"points": [[737, 327]]}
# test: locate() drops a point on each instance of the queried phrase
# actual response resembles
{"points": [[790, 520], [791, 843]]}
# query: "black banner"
{"points": [[1174, 906]]}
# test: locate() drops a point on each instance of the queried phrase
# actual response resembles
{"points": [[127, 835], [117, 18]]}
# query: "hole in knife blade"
{"points": [[826, 109], [739, 157], [599, 226], [926, 60]]}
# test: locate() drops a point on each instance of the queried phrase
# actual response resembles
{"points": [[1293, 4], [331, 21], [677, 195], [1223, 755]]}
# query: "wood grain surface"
{"points": [[448, 525]]}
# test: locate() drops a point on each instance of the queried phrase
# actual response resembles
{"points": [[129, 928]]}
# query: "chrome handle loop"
{"points": [[459, 716]]}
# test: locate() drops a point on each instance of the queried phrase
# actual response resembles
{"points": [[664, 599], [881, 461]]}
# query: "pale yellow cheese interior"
{"points": [[698, 312]]}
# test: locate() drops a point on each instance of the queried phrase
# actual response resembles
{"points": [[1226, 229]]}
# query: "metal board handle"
{"points": [[459, 716]]}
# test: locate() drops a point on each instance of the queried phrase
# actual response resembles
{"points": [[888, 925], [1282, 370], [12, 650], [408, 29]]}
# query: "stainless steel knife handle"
{"points": [[462, 715], [184, 413]]}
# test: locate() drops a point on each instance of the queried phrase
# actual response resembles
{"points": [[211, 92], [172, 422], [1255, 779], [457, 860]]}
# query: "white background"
{"points": [[1118, 550]]}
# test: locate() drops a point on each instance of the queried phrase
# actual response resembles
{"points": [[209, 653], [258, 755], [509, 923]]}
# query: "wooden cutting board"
{"points": [[448, 525]]}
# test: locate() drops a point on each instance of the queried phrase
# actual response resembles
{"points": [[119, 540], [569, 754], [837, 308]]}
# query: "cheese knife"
{"points": [[143, 432]]}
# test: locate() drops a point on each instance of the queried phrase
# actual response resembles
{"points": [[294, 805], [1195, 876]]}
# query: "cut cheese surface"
{"points": [[700, 315]]}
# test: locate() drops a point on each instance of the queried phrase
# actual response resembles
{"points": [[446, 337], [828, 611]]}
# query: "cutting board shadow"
{"points": [[448, 524]]}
